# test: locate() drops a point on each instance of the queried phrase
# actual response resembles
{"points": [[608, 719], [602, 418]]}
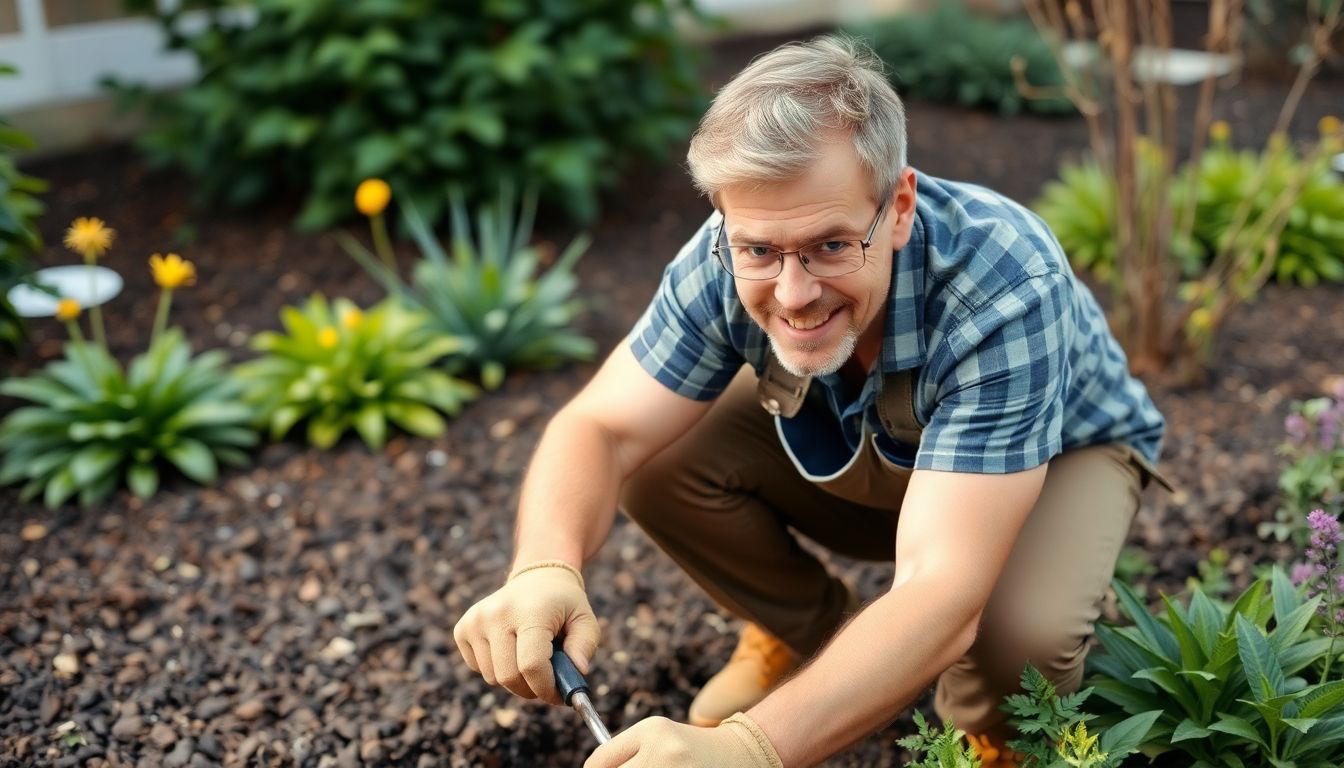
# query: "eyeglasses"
{"points": [[829, 258]]}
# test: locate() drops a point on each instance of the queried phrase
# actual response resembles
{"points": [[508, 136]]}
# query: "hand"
{"points": [[657, 742], [507, 636]]}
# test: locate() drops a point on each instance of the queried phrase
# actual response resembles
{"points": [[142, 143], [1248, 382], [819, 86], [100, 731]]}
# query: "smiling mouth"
{"points": [[807, 323]]}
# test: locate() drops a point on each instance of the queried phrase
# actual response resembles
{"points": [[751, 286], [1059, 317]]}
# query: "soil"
{"points": [[206, 625]]}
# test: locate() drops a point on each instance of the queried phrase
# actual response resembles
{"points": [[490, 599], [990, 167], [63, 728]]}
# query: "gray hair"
{"points": [[767, 123]]}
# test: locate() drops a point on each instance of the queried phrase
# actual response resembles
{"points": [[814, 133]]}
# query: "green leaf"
{"points": [[1257, 658], [59, 488], [416, 419], [1125, 736], [1322, 700], [143, 480], [1189, 729], [194, 460], [93, 462], [1240, 728], [371, 425]]}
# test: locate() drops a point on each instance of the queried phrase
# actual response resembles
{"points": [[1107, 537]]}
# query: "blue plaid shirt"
{"points": [[1016, 362]]}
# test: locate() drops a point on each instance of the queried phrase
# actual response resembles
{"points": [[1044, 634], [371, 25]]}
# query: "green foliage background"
{"points": [[19, 209], [315, 95]]}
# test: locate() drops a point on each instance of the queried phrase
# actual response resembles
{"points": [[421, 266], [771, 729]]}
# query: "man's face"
{"points": [[816, 324]]}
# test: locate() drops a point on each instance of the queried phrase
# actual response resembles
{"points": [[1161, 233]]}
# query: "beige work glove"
{"points": [[657, 742], [507, 636]]}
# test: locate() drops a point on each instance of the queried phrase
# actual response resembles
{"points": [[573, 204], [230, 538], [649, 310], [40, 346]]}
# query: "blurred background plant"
{"points": [[339, 367], [19, 238], [1132, 126], [93, 424], [313, 97], [491, 290], [952, 55], [1314, 475]]}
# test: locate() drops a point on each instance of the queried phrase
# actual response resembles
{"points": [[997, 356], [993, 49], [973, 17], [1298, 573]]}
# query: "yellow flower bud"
{"points": [[67, 309], [351, 318], [372, 196], [1328, 126], [328, 338], [172, 271], [1201, 319], [89, 237], [1220, 131]]}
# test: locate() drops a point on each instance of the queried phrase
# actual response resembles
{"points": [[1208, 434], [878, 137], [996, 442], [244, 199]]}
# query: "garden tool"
{"points": [[575, 692]]}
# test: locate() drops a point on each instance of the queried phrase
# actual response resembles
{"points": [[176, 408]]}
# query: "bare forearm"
{"points": [[569, 496], [876, 666]]}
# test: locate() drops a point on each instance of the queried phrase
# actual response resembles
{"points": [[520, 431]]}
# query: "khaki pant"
{"points": [[724, 499]]}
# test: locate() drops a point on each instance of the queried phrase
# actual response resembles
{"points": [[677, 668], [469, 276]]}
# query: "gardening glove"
{"points": [[507, 636], [657, 742]]}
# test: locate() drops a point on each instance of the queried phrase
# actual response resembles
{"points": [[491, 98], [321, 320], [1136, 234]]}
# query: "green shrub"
{"points": [[1232, 691], [339, 368], [1080, 209], [19, 209], [1311, 246], [945, 747], [315, 96], [94, 424], [955, 56], [491, 293], [1054, 733]]}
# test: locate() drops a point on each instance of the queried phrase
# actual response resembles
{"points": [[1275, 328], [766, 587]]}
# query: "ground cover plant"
{"points": [[93, 425], [297, 613], [314, 97], [488, 289]]}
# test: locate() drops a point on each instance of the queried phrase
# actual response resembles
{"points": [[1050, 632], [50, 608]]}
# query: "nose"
{"points": [[795, 287]]}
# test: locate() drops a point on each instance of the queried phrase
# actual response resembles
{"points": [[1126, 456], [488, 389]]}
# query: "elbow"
{"points": [[965, 637]]}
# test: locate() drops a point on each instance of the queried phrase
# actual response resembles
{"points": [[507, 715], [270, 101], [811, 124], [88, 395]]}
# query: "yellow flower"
{"points": [[1201, 319], [1220, 131], [172, 271], [89, 237], [352, 318], [1328, 125], [372, 196], [328, 338], [67, 309]]}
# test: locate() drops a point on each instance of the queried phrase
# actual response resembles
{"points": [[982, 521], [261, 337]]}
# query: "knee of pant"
{"points": [[648, 496], [1058, 655]]}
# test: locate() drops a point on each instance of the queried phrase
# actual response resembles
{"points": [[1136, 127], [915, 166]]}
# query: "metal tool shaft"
{"points": [[581, 703]]}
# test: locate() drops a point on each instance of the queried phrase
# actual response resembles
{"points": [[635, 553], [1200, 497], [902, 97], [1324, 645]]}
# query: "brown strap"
{"points": [[896, 406], [781, 393]]}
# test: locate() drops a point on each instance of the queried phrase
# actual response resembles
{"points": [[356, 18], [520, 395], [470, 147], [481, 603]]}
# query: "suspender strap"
{"points": [[781, 394], [896, 406]]}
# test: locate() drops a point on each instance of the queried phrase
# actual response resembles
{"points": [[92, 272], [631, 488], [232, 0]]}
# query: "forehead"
{"points": [[832, 195]]}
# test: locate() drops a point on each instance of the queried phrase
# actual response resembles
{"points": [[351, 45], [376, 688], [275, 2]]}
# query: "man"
{"points": [[917, 353]]}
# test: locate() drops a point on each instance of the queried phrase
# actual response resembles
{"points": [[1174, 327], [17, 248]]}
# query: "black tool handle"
{"points": [[567, 676]]}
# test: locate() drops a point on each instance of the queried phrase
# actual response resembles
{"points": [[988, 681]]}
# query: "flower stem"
{"points": [[95, 314], [161, 317], [380, 242]]}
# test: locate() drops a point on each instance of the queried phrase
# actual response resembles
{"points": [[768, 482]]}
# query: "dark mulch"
{"points": [[206, 622]]}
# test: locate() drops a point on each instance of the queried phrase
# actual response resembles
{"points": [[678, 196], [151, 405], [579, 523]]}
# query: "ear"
{"points": [[901, 214]]}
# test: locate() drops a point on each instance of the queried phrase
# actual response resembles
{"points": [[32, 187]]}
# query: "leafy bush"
{"points": [[94, 424], [489, 294], [1080, 209], [1054, 728], [19, 209], [1314, 476], [953, 55], [315, 96], [1231, 691], [945, 747], [1311, 246], [339, 367]]}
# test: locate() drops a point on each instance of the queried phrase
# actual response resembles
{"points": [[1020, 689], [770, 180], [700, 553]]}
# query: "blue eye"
{"points": [[759, 251], [834, 246]]}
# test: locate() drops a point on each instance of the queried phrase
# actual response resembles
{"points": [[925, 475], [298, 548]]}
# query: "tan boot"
{"points": [[758, 664], [993, 755]]}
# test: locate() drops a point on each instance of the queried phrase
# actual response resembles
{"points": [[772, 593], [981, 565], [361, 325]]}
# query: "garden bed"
{"points": [[203, 620]]}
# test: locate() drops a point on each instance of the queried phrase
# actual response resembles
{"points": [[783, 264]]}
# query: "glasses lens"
{"points": [[753, 262], [833, 257]]}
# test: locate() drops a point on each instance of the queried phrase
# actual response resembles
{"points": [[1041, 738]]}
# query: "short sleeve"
{"points": [[1000, 377], [682, 339]]}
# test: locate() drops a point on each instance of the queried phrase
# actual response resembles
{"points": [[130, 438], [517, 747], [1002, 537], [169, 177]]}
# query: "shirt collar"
{"points": [[903, 341]]}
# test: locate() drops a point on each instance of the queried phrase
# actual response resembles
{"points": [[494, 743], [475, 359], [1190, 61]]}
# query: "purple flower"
{"points": [[1325, 527], [1297, 427], [1302, 573]]}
